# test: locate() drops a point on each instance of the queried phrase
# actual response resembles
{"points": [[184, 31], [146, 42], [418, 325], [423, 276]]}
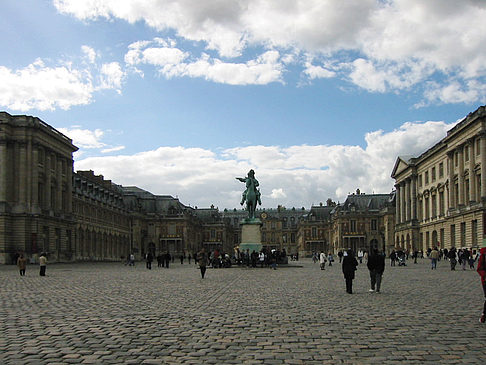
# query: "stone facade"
{"points": [[102, 220], [36, 168], [45, 206], [362, 222], [441, 194]]}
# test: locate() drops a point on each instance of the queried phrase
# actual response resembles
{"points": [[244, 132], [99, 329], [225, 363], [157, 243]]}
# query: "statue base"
{"points": [[251, 236]]}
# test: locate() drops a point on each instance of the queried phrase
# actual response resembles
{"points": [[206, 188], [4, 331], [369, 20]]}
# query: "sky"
{"points": [[179, 97]]}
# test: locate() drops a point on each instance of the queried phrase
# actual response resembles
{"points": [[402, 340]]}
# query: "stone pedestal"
{"points": [[251, 235]]}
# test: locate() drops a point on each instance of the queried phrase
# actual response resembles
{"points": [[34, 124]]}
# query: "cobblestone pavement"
{"points": [[97, 313]]}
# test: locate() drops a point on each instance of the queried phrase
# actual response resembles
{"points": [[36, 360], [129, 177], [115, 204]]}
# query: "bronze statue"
{"points": [[251, 194]]}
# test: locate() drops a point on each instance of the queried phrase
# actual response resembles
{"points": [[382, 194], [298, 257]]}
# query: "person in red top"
{"points": [[482, 271]]}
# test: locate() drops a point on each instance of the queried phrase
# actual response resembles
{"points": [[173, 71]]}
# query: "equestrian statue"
{"points": [[251, 194]]}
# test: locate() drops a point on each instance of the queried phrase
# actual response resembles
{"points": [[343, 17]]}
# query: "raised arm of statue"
{"points": [[241, 179]]}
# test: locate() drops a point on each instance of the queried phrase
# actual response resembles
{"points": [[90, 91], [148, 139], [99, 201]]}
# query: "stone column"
{"points": [[407, 200], [69, 178], [414, 198], [47, 188], [22, 175], [472, 174], [450, 161], [402, 204], [460, 175], [483, 166], [59, 184], [397, 204], [3, 171], [35, 177]]}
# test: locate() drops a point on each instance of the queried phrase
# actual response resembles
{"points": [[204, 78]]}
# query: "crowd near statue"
{"points": [[251, 195]]}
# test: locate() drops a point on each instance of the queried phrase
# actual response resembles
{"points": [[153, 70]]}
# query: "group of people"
{"points": [[22, 264], [376, 266]]}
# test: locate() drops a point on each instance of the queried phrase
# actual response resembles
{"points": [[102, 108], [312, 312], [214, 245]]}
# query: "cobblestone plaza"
{"points": [[108, 313]]}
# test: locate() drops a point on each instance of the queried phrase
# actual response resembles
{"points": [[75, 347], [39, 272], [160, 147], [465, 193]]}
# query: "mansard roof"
{"points": [[365, 202]]}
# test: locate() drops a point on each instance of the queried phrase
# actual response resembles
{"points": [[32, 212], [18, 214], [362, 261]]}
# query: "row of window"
{"points": [[467, 154]]}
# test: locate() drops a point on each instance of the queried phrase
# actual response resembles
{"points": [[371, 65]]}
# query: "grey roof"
{"points": [[366, 202]]}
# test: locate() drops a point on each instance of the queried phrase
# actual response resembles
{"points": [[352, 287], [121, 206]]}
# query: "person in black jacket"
{"points": [[376, 265], [349, 267]]}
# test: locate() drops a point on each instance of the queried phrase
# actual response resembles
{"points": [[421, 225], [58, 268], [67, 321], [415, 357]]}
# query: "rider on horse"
{"points": [[248, 182]]}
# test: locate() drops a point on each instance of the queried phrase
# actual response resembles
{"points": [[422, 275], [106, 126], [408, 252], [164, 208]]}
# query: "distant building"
{"points": [[441, 194], [363, 222], [46, 207]]}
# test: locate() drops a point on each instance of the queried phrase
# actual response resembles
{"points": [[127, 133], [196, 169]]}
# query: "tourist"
{"points": [[149, 258], [21, 263], [167, 258], [464, 257], [132, 260], [360, 256], [160, 260], [472, 259], [202, 259], [42, 264], [181, 257], [261, 258], [189, 258], [434, 256], [393, 257], [452, 258], [482, 272], [330, 258], [340, 255], [322, 260], [376, 266], [350, 265]]}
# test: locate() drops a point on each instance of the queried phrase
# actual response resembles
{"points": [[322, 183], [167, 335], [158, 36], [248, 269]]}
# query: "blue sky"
{"points": [[179, 97]]}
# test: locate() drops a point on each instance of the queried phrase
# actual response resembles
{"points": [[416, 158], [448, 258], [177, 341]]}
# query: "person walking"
{"points": [[21, 263], [261, 258], [322, 260], [376, 266], [330, 258], [349, 266], [149, 258], [393, 257], [42, 264], [482, 272], [452, 258], [167, 258], [340, 255], [202, 259], [434, 256]]}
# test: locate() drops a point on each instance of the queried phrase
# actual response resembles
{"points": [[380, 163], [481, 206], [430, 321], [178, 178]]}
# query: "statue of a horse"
{"points": [[251, 198]]}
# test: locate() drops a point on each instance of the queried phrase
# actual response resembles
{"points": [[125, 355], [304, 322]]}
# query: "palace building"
{"points": [[441, 194], [78, 216]]}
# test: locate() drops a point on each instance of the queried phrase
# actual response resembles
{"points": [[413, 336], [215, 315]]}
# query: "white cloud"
{"points": [[382, 46], [278, 194], [289, 176], [84, 138], [113, 149], [111, 75], [317, 72], [90, 53], [38, 86], [63, 85], [172, 62]]}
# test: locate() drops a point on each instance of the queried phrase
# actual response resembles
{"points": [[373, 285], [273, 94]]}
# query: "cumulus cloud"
{"points": [[60, 86], [84, 138], [290, 176], [173, 62], [41, 87], [380, 46]]}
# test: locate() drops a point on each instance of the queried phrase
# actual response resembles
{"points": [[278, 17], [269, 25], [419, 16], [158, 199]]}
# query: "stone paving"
{"points": [[99, 313]]}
